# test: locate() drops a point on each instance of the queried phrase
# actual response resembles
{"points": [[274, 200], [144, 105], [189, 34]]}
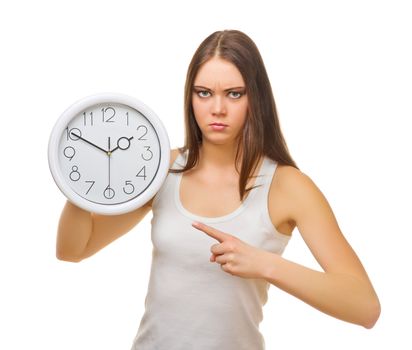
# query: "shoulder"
{"points": [[289, 178], [296, 192]]}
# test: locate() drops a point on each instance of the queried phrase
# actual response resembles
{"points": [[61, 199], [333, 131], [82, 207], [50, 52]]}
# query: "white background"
{"points": [[341, 75]]}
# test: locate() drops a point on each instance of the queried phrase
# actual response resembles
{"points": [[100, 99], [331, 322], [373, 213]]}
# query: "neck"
{"points": [[217, 156]]}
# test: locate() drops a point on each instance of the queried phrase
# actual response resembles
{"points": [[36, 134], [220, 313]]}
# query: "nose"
{"points": [[218, 106]]}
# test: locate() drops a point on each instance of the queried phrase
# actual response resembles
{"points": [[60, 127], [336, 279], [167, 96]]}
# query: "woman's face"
{"points": [[219, 101]]}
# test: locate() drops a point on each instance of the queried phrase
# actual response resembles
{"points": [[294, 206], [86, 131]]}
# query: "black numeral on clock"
{"points": [[128, 188], [92, 184], [108, 114], [69, 152], [144, 128], [142, 170], [148, 154], [74, 174], [70, 136], [109, 192], [88, 117]]}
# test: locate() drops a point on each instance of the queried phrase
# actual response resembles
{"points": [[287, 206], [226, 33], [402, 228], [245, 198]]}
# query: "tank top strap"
{"points": [[180, 160], [264, 179]]}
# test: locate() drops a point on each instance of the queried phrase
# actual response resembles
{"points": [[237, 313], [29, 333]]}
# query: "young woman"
{"points": [[224, 215]]}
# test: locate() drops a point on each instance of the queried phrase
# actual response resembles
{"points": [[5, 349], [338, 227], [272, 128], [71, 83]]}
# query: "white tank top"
{"points": [[191, 303]]}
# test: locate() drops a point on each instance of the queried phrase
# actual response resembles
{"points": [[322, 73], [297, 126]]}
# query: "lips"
{"points": [[218, 124]]}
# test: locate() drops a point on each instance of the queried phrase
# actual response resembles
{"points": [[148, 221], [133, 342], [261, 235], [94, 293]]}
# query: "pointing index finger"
{"points": [[212, 232]]}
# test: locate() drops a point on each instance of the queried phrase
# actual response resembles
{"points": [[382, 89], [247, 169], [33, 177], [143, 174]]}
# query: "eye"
{"points": [[235, 94], [203, 93]]}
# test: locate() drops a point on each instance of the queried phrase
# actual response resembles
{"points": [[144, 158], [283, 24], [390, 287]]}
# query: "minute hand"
{"points": [[90, 143]]}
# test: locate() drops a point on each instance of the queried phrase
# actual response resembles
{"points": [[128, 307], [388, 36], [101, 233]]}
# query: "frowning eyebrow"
{"points": [[199, 87]]}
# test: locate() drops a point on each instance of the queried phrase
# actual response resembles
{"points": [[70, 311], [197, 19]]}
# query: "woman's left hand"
{"points": [[235, 256]]}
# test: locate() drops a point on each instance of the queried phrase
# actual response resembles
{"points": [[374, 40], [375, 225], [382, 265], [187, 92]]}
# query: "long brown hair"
{"points": [[261, 135]]}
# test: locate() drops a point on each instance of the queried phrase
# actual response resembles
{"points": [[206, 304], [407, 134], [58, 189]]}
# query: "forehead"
{"points": [[218, 71]]}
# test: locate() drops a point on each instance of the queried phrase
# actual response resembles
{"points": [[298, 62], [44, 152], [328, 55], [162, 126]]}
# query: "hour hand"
{"points": [[123, 143], [87, 141]]}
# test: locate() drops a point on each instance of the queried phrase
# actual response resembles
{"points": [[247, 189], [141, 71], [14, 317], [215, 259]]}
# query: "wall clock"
{"points": [[109, 153]]}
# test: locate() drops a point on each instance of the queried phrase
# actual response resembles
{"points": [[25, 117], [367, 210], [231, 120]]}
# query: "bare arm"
{"points": [[82, 234], [343, 290]]}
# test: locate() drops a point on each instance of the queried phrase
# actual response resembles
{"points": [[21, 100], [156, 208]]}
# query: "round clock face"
{"points": [[111, 156]]}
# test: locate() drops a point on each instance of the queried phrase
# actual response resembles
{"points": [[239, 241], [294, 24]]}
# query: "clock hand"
{"points": [[90, 143], [109, 192], [109, 154], [122, 147]]}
